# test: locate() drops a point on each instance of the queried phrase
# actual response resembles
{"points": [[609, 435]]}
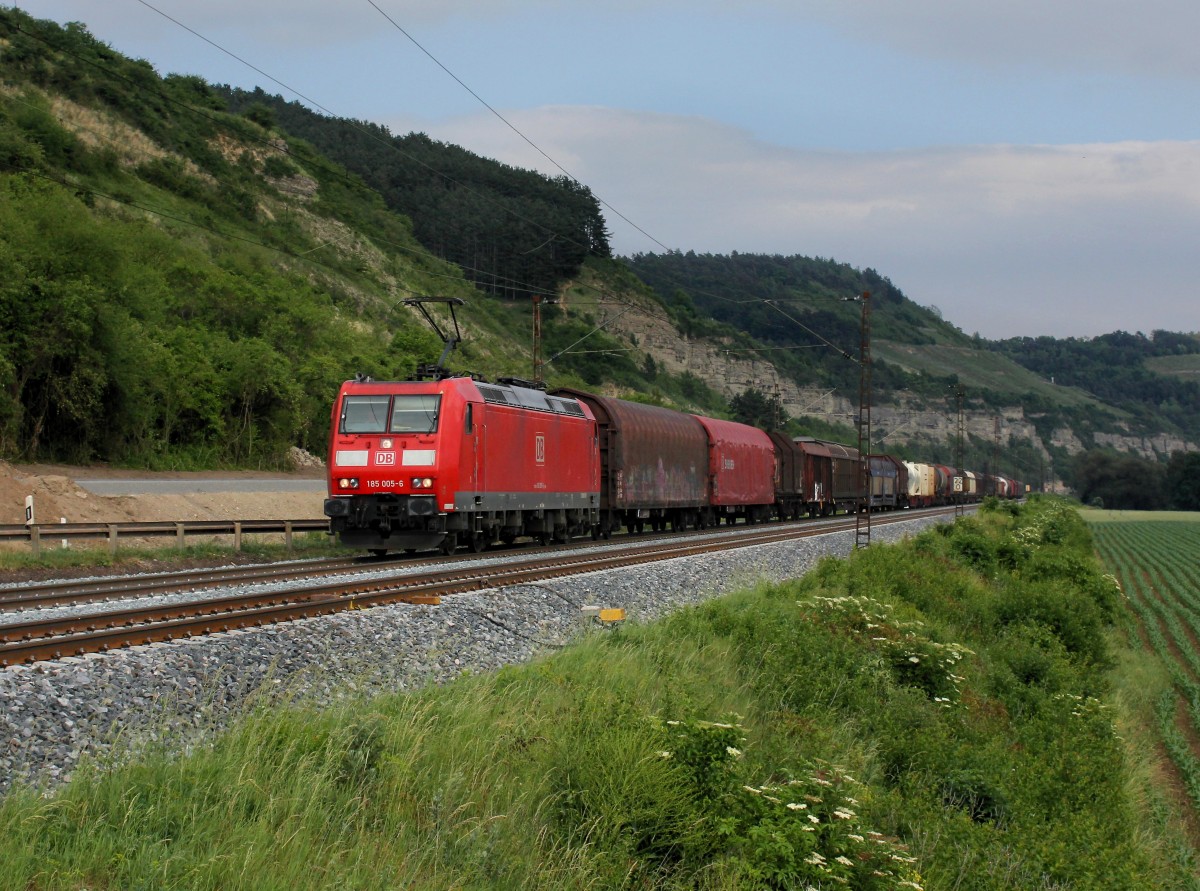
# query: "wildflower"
{"points": [[814, 818], [815, 859], [793, 806], [736, 753], [844, 860], [842, 814], [752, 790], [664, 754], [913, 659], [857, 838], [821, 781]]}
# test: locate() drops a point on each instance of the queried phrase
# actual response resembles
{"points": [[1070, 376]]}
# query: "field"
{"points": [[1186, 367], [936, 714], [979, 370], [1155, 562]]}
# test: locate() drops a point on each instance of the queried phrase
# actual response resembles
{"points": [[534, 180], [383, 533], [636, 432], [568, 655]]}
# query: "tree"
{"points": [[1183, 480], [758, 410], [1121, 481]]}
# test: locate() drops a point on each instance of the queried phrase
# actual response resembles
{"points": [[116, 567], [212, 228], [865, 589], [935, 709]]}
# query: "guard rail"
{"points": [[37, 533]]}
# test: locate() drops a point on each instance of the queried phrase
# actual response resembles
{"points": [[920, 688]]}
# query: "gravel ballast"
{"points": [[53, 714]]}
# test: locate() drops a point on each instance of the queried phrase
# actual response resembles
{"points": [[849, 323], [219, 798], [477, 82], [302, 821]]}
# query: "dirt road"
{"points": [[77, 494]]}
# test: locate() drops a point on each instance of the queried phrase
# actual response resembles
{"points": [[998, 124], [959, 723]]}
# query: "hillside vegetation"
{"points": [[187, 273], [933, 715]]}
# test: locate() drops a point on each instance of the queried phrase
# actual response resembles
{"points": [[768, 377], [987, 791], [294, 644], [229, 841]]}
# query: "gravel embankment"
{"points": [[53, 714]]}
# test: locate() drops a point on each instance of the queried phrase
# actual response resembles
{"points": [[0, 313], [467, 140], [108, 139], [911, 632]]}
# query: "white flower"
{"points": [[814, 818], [913, 659], [664, 754], [845, 861], [736, 753], [793, 806]]}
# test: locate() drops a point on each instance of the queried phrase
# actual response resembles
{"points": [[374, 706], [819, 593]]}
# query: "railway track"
{"points": [[37, 640], [43, 594]]}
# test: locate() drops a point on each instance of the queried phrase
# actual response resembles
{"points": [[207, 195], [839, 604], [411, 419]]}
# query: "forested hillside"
{"points": [[800, 308], [187, 274], [512, 231], [178, 285], [1116, 368]]}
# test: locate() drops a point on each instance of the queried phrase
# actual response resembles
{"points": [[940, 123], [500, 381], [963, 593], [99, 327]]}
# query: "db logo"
{"points": [[539, 449], [385, 458]]}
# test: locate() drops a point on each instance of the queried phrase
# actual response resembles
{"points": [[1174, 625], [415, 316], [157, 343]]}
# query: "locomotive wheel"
{"points": [[450, 543], [478, 542]]}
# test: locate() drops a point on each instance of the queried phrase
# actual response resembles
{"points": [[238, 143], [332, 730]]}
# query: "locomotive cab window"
{"points": [[365, 414], [415, 414]]}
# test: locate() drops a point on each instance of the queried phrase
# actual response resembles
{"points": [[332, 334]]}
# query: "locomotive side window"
{"points": [[365, 414], [415, 414]]}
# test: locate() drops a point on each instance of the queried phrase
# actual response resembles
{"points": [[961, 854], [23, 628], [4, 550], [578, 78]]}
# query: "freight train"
{"points": [[459, 461]]}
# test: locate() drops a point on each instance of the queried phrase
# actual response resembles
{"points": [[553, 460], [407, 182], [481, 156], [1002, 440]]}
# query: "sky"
{"points": [[1027, 168]]}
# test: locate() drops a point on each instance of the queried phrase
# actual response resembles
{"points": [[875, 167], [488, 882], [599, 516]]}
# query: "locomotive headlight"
{"points": [[348, 483], [422, 482], [385, 443]]}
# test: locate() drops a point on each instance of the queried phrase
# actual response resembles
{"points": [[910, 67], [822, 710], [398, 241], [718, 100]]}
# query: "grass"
{"points": [[1155, 563], [1187, 367], [979, 370], [308, 544], [939, 714]]}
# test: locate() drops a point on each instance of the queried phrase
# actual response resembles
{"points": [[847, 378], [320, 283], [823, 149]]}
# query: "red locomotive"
{"points": [[425, 464]]}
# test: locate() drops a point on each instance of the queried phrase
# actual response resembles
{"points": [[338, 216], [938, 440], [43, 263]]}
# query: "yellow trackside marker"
{"points": [[612, 615]]}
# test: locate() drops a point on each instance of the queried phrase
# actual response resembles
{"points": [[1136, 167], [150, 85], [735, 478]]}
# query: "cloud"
{"points": [[1152, 38], [1006, 240]]}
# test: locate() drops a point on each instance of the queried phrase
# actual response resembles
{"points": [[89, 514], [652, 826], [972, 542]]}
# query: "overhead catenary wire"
{"points": [[465, 267], [841, 351], [510, 124], [364, 130]]}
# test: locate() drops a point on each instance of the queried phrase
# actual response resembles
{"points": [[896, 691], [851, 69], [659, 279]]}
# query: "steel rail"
{"points": [[43, 594], [100, 632], [37, 595]]}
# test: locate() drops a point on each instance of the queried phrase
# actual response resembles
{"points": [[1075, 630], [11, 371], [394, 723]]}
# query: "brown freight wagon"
{"points": [[846, 471], [654, 464]]}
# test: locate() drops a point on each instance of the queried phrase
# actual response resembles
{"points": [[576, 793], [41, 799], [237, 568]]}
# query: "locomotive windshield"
{"points": [[365, 414], [409, 414], [415, 414]]}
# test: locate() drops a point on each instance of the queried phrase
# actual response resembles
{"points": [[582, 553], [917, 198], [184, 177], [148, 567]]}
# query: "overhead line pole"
{"points": [[862, 523], [960, 481]]}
